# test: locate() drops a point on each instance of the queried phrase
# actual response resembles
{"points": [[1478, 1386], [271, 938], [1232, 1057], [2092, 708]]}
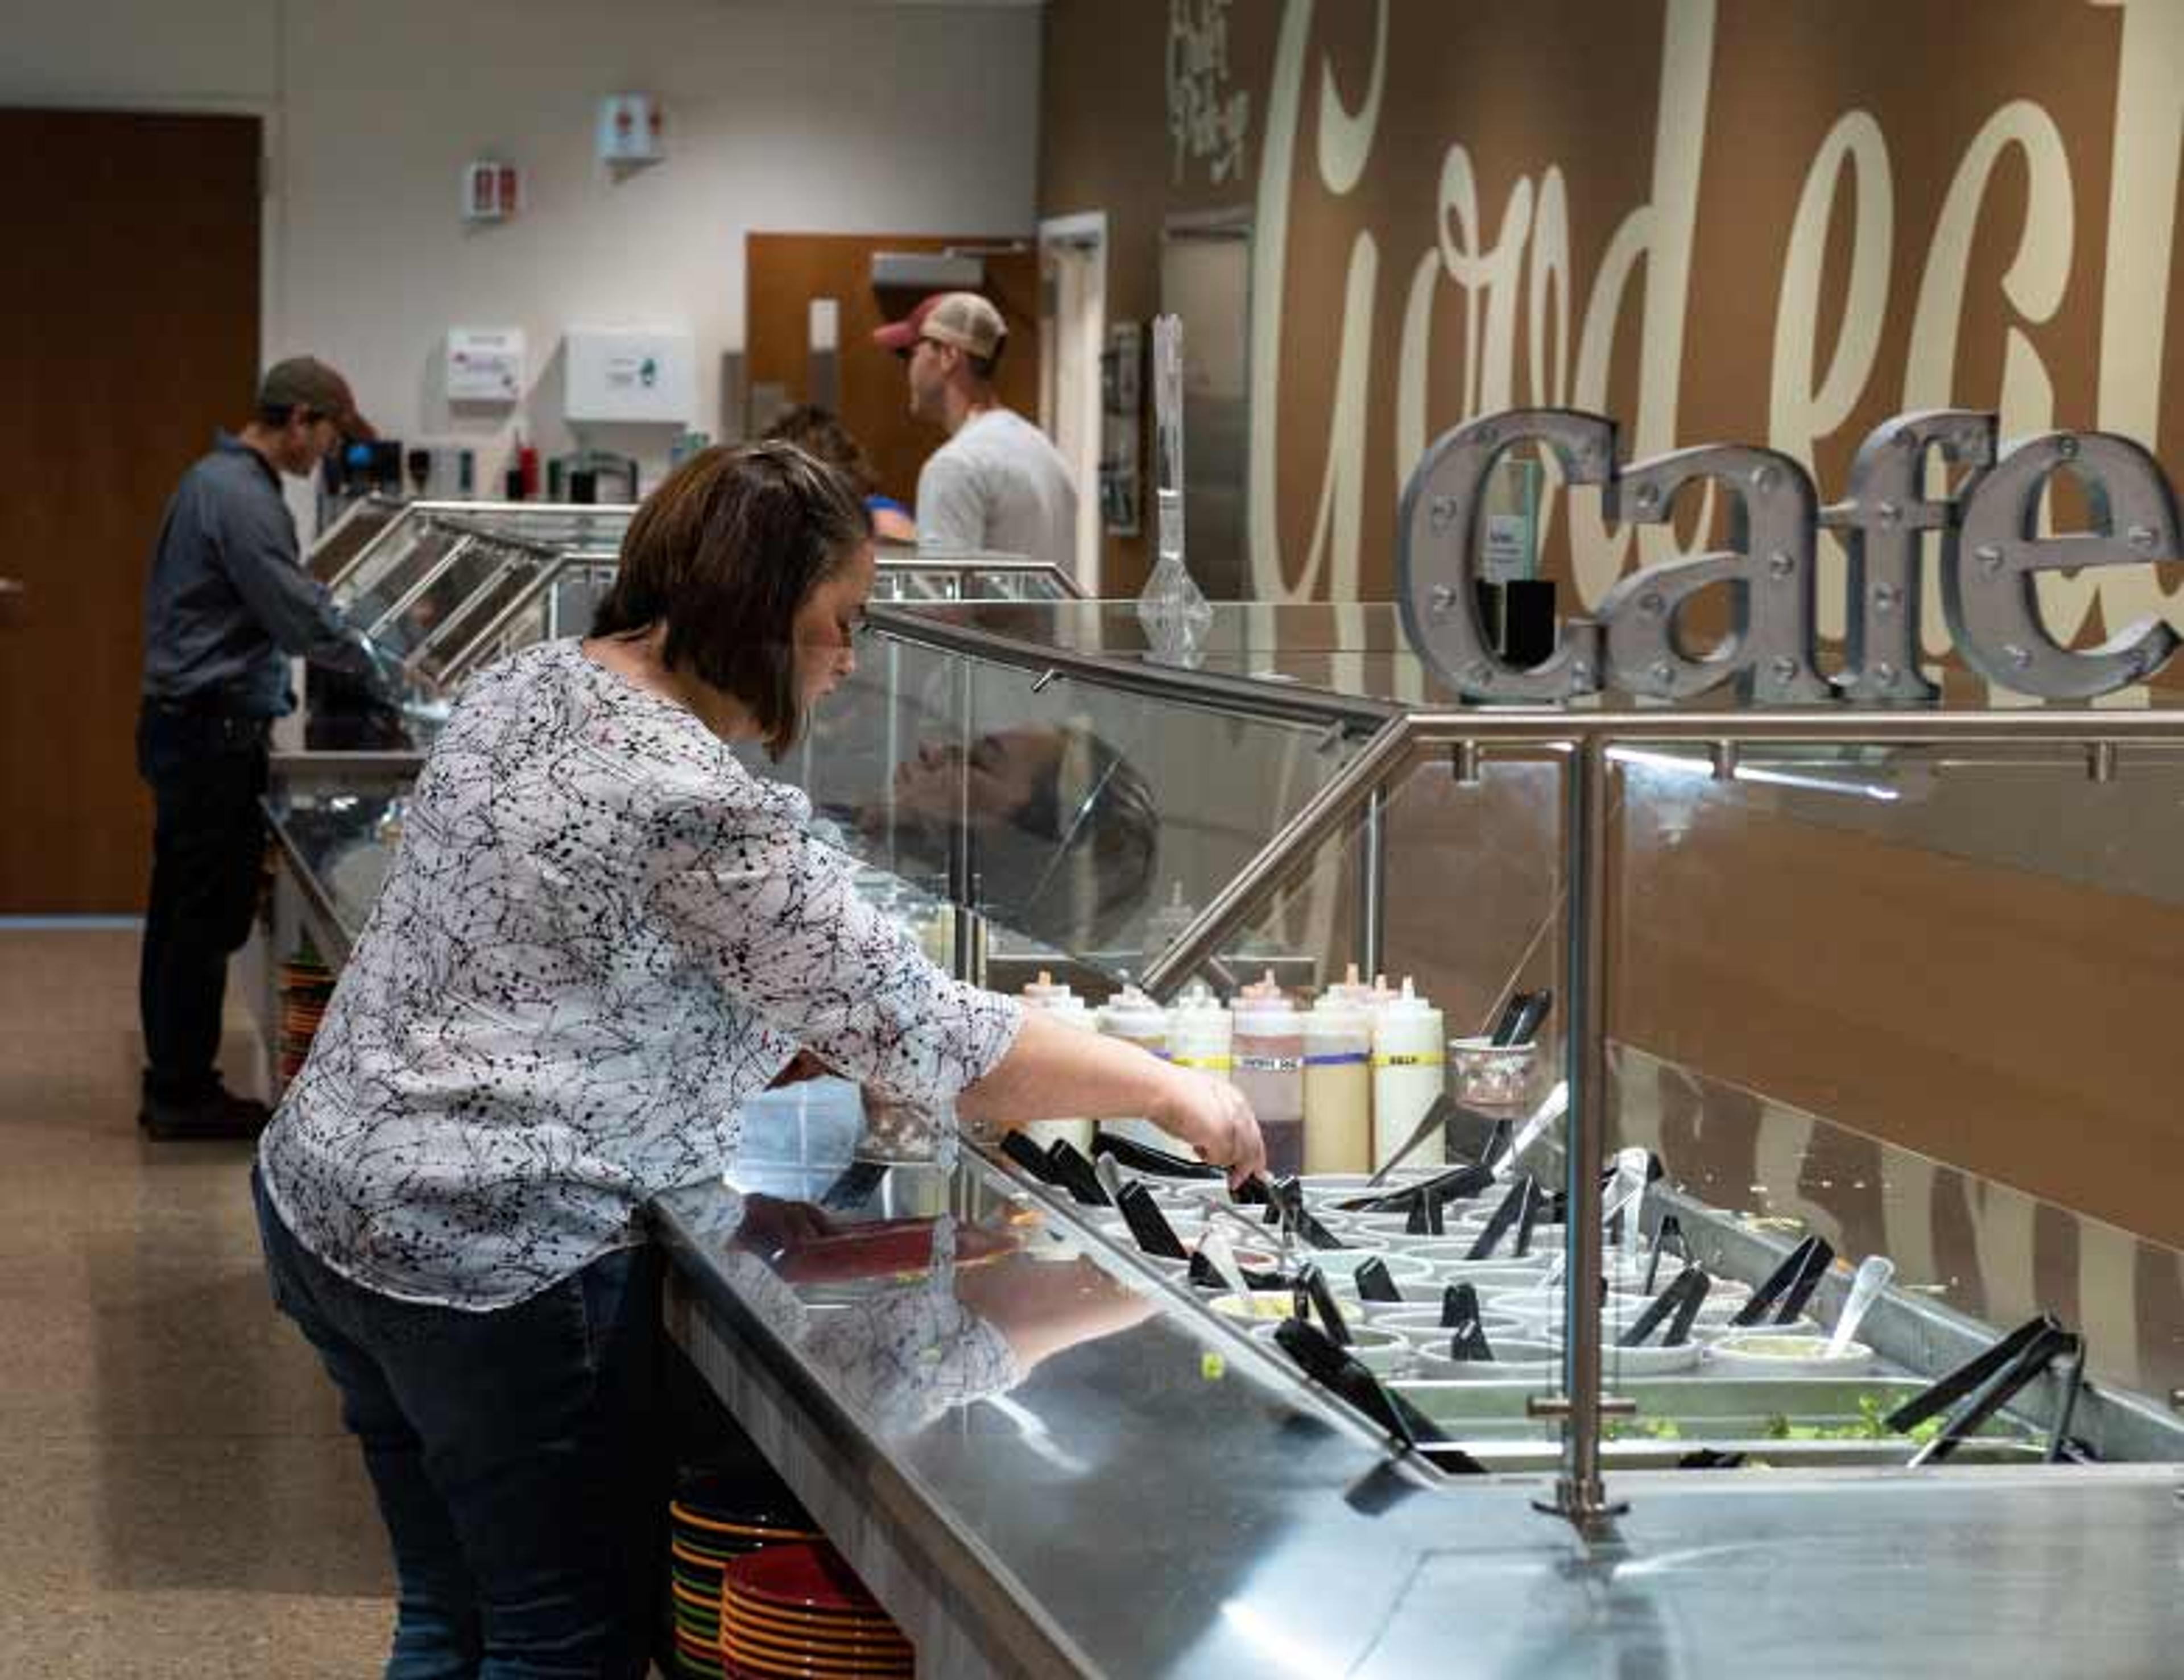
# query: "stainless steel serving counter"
{"points": [[1049, 1463]]}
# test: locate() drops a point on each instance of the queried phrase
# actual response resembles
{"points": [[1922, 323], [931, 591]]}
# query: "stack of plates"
{"points": [[711, 1528], [799, 1611], [305, 986]]}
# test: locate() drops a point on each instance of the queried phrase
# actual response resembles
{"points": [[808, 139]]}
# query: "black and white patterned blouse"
{"points": [[601, 934]]}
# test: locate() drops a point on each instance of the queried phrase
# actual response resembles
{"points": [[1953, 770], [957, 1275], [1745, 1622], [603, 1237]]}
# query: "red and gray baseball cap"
{"points": [[306, 382], [963, 318]]}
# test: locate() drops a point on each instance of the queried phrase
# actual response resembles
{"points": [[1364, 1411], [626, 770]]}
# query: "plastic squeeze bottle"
{"points": [[1267, 1062], [1338, 1084], [1408, 1054], [1359, 991], [1058, 1003], [1133, 1016]]}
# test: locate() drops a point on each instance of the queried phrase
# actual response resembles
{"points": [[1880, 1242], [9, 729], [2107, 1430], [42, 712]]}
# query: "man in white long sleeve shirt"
{"points": [[997, 484]]}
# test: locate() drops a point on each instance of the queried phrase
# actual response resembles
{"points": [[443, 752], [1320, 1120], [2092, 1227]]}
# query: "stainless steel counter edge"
{"points": [[1955, 1569], [1008, 1631]]}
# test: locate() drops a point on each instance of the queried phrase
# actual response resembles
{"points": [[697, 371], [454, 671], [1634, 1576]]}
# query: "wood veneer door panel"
{"points": [[783, 272], [129, 330]]}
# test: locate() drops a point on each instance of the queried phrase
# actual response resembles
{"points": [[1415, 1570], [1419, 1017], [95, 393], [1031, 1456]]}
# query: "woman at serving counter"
{"points": [[600, 935]]}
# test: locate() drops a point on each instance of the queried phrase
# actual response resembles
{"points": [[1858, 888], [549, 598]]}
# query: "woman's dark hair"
{"points": [[819, 431], [724, 553]]}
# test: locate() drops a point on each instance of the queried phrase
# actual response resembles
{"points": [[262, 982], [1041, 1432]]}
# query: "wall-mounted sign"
{"points": [[1121, 400], [485, 363], [1207, 119], [633, 130], [1986, 546], [630, 374], [493, 190]]}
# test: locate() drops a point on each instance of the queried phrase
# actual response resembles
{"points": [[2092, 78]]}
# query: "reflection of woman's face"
{"points": [[827, 625], [1003, 776]]}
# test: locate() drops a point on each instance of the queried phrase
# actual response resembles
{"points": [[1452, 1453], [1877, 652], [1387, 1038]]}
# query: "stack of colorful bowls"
{"points": [[712, 1527], [800, 1611], [305, 987]]}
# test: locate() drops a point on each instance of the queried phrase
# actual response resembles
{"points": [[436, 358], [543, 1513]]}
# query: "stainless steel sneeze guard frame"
{"points": [[1581, 738], [1116, 1514]]}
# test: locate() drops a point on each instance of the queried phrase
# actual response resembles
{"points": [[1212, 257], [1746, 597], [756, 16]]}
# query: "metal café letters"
{"points": [[1989, 551]]}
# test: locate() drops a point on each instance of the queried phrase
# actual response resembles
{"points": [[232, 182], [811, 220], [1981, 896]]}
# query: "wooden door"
{"points": [[784, 272], [129, 330]]}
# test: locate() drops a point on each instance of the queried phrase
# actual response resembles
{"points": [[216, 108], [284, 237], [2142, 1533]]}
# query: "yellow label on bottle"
{"points": [[1408, 1058], [1209, 1064]]}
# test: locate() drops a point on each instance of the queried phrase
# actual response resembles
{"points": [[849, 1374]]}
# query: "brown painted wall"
{"points": [[2030, 146], [1571, 96]]}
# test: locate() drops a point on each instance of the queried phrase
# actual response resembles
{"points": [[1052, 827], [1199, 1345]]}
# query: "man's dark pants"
{"points": [[206, 769]]}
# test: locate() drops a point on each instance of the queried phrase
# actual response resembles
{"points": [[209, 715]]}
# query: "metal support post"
{"points": [[962, 868], [1372, 883], [1579, 1495]]}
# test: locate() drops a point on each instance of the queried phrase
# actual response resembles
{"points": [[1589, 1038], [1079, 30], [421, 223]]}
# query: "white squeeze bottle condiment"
{"points": [[1338, 1084], [1166, 925], [1200, 1032], [1133, 1016], [1409, 1051], [1269, 1063], [1358, 992], [1058, 1003]]}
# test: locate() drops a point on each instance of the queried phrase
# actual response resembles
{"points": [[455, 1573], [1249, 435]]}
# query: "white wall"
{"points": [[791, 115]]}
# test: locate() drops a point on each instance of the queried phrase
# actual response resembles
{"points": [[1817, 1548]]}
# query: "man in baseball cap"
{"points": [[306, 382], [226, 605], [997, 484]]}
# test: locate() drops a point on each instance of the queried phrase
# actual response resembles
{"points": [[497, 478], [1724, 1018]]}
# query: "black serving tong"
{"points": [[1327, 1364], [1497, 1144], [1375, 1284], [1988, 1381], [1148, 1224], [1678, 1306], [1520, 1018], [1499, 1222], [1466, 1178], [1288, 1199], [1670, 1232], [1528, 1221], [1313, 1296], [1427, 1218], [1143, 1158], [1459, 1313], [1789, 1286], [1031, 1158], [1077, 1175], [1205, 1276]]}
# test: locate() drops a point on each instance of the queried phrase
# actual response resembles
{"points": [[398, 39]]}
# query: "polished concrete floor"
{"points": [[177, 1497]]}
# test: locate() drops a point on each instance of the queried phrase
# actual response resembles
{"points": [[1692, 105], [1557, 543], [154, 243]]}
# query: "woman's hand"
{"points": [[1212, 1117], [1054, 1072]]}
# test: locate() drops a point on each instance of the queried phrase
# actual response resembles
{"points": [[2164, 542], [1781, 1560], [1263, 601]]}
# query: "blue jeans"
{"points": [[517, 1458]]}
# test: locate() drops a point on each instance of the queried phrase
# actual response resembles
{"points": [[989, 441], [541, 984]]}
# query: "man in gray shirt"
{"points": [[227, 601], [997, 483]]}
